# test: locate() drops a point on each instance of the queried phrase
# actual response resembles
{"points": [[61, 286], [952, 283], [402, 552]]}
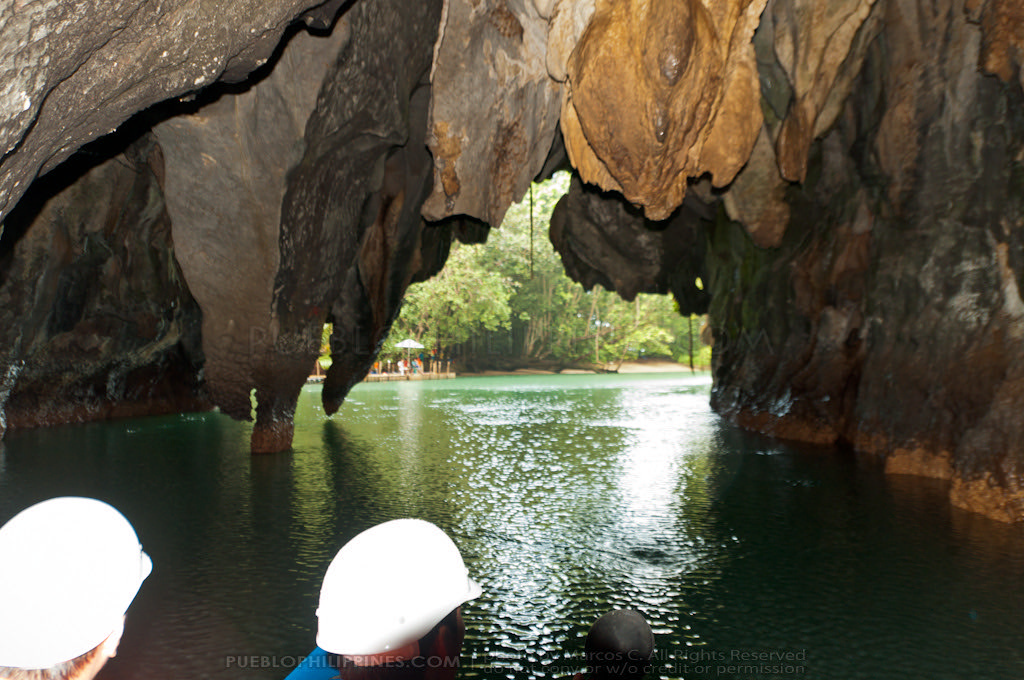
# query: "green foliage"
{"points": [[511, 297], [467, 297], [324, 359]]}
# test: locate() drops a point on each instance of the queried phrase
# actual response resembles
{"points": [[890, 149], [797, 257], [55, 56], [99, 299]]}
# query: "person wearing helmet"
{"points": [[69, 569], [620, 645], [390, 606]]}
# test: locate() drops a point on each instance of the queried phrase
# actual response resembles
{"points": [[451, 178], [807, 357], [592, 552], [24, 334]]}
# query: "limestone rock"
{"points": [[363, 171], [226, 168], [568, 22], [95, 318], [903, 266], [494, 109], [756, 197], [817, 42], [72, 72], [396, 247], [602, 239], [785, 53], [660, 91], [1002, 23], [861, 246]]}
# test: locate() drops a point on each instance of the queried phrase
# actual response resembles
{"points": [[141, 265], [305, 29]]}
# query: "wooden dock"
{"points": [[389, 377]]}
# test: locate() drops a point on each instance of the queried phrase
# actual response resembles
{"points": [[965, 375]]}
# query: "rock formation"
{"points": [[603, 239], [844, 177], [661, 91], [494, 109], [95, 318], [896, 326]]}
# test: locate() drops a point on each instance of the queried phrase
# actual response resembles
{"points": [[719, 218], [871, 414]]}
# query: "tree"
{"points": [[513, 293], [465, 298]]}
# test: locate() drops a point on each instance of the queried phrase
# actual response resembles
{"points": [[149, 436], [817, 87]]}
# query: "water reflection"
{"points": [[568, 495]]}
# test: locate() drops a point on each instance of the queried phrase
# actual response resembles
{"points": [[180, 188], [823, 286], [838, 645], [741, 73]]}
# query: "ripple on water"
{"points": [[568, 496]]}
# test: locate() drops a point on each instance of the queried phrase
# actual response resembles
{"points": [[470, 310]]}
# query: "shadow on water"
{"points": [[568, 495]]}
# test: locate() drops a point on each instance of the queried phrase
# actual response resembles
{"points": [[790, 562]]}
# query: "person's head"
{"points": [[69, 569], [392, 597], [620, 644]]}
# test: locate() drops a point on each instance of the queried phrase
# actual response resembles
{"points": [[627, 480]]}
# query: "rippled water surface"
{"points": [[568, 495]]}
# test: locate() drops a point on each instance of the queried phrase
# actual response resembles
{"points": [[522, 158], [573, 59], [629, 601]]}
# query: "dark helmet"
{"points": [[620, 644]]}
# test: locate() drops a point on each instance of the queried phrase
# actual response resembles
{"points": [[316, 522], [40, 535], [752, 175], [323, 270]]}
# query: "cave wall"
{"points": [[73, 72], [864, 264], [96, 320], [276, 196], [363, 179], [297, 201], [895, 325], [225, 176]]}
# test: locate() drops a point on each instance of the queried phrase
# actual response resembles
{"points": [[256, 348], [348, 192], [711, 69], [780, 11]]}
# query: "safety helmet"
{"points": [[389, 586], [69, 568]]}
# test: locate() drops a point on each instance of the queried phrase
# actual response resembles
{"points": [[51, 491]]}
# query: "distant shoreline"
{"points": [[627, 367], [650, 366]]}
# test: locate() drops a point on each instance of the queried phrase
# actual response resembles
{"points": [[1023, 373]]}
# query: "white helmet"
{"points": [[69, 568], [389, 586]]}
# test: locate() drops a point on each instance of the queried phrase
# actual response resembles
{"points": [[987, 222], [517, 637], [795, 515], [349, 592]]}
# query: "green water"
{"points": [[568, 495]]}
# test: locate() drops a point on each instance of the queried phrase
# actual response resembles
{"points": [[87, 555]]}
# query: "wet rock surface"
{"points": [[95, 318], [494, 110], [226, 167], [351, 217], [844, 178], [896, 324], [660, 92]]}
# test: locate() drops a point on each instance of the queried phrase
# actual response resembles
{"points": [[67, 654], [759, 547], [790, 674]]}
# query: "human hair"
{"points": [[438, 657], [67, 670], [620, 646]]}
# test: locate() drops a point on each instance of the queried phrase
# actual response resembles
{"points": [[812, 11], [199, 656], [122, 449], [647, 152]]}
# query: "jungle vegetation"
{"points": [[509, 304]]}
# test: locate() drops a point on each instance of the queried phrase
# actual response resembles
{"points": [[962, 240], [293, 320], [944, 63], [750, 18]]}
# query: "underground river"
{"points": [[568, 496]]}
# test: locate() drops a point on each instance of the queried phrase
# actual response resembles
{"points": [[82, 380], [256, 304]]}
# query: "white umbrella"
{"points": [[408, 345]]}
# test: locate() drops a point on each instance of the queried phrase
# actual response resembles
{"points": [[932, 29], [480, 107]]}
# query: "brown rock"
{"points": [[661, 91], [1002, 23], [568, 21], [756, 197], [988, 497], [95, 319], [920, 462], [494, 109], [814, 42], [272, 437]]}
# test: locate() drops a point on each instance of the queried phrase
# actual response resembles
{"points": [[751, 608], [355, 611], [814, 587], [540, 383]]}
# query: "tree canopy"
{"points": [[509, 301]]}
